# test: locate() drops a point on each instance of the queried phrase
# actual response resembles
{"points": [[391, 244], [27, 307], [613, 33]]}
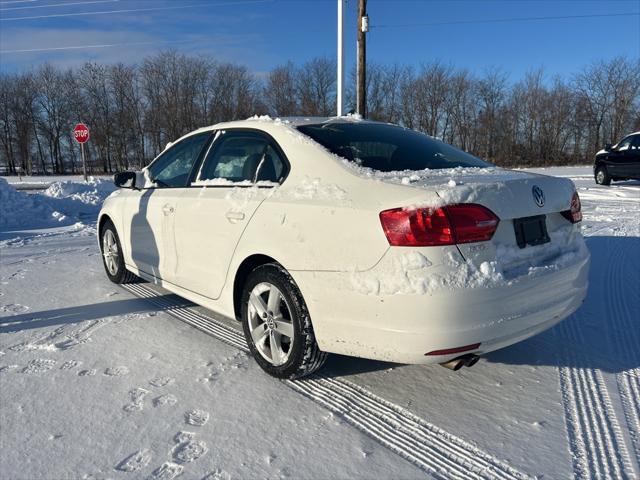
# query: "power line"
{"points": [[504, 20], [131, 10], [18, 1], [55, 5], [88, 47]]}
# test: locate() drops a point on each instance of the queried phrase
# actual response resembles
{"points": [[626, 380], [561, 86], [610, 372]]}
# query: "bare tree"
{"points": [[280, 91], [316, 87], [133, 111]]}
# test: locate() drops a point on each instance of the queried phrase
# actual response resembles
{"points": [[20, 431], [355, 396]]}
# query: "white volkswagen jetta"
{"points": [[348, 236]]}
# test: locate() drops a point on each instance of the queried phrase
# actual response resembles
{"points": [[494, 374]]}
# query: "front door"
{"points": [[239, 171], [151, 210]]}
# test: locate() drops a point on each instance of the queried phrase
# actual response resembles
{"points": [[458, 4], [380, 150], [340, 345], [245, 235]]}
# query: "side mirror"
{"points": [[608, 147], [125, 179]]}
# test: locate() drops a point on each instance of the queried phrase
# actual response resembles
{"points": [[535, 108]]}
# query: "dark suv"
{"points": [[618, 162]]}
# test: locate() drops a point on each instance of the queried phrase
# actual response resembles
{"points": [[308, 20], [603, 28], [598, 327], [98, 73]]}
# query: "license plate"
{"points": [[531, 230]]}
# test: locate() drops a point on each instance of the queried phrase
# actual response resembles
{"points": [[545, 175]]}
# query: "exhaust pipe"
{"points": [[468, 360]]}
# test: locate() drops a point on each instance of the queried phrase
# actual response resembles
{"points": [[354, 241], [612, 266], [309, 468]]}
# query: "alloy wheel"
{"points": [[270, 323], [110, 252]]}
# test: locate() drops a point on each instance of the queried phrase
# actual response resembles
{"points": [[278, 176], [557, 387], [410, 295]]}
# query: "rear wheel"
{"points": [[112, 255], [277, 325], [602, 176]]}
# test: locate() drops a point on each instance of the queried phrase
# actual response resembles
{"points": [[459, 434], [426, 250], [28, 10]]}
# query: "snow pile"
{"points": [[314, 188], [19, 210], [225, 182], [77, 199], [63, 203], [412, 273]]}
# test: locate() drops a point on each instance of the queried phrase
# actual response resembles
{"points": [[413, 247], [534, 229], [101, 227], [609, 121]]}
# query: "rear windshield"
{"points": [[388, 148]]}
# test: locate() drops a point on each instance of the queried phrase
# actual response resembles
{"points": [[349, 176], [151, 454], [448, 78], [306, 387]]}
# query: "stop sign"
{"points": [[81, 133]]}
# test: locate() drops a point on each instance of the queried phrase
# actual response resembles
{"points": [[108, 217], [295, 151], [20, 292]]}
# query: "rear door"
{"points": [[238, 172], [151, 210]]}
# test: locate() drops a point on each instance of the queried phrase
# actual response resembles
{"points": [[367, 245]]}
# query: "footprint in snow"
{"points": [[182, 437], [166, 471], [162, 400], [39, 365], [69, 364], [116, 371], [137, 398], [196, 417], [87, 373], [217, 474], [189, 451], [161, 381], [135, 461], [14, 308]]}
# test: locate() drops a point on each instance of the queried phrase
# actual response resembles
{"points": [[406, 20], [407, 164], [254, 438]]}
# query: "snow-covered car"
{"points": [[348, 236], [618, 162]]}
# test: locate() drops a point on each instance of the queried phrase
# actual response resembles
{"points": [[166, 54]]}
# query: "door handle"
{"points": [[167, 209], [234, 216]]}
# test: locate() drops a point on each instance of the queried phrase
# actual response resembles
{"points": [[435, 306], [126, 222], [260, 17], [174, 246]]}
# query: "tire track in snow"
{"points": [[594, 434], [427, 446], [626, 337]]}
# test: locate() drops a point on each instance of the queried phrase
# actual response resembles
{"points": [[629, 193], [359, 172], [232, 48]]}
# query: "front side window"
{"points": [[242, 156], [388, 148], [635, 143], [624, 144], [173, 167]]}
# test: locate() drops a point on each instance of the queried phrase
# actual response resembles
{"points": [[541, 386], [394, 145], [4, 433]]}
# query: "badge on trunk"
{"points": [[538, 195]]}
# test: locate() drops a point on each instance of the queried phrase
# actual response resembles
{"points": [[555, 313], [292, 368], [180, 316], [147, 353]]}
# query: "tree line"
{"points": [[134, 110]]}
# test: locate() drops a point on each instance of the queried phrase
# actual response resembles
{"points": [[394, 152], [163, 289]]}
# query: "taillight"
{"points": [[426, 227], [574, 215]]}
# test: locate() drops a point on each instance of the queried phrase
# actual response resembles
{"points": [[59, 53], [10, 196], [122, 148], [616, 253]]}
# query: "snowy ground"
{"points": [[96, 382]]}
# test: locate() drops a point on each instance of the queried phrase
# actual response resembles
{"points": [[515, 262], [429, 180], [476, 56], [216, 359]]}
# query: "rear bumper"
{"points": [[403, 327]]}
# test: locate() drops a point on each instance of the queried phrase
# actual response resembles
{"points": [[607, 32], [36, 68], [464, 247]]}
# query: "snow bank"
{"points": [[63, 203], [19, 210], [79, 199]]}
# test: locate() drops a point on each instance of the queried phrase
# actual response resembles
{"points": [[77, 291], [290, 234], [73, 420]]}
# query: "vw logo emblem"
{"points": [[538, 195]]}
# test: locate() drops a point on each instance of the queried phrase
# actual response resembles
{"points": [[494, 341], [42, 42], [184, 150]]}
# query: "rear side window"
{"points": [[173, 167], [242, 156], [388, 148]]}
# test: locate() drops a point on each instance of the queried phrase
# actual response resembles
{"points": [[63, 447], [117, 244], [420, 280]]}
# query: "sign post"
{"points": [[81, 134]]}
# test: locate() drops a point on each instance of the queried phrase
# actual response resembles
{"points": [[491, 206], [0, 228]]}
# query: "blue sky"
{"points": [[262, 34]]}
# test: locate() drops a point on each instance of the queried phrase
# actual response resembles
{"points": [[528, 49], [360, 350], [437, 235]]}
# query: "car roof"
{"points": [[294, 121]]}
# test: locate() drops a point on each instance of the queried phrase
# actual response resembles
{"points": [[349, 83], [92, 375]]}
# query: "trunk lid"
{"points": [[511, 195]]}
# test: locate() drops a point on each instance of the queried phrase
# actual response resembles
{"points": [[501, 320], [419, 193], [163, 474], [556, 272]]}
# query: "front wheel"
{"points": [[112, 255], [602, 176], [277, 325]]}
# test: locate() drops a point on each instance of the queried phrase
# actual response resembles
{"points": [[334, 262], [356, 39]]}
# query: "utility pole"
{"points": [[363, 28], [340, 82]]}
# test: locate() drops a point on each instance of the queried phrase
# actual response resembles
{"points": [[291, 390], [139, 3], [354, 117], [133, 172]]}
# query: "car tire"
{"points": [[112, 257], [277, 325], [602, 176]]}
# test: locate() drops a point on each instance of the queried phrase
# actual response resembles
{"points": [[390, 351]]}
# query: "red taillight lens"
{"points": [[472, 223], [425, 227], [416, 227], [574, 215]]}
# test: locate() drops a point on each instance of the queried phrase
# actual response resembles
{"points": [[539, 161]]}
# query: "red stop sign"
{"points": [[81, 133]]}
